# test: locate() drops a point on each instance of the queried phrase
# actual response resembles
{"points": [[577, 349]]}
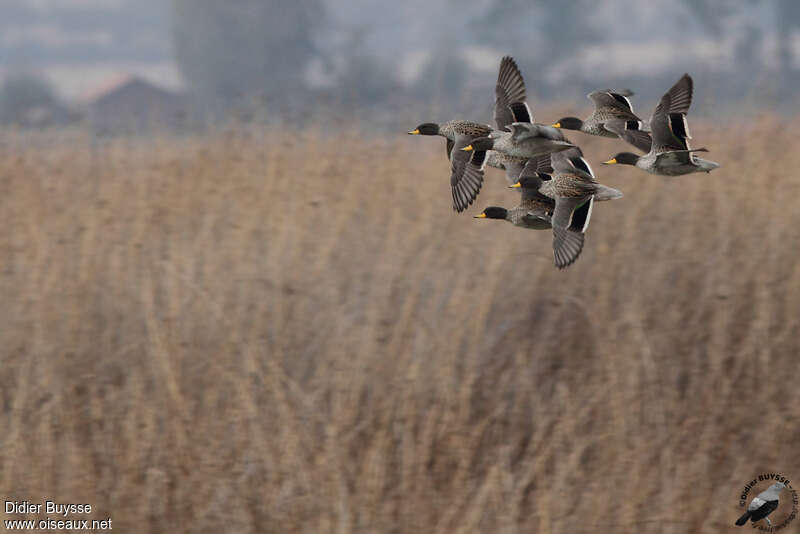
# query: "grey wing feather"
{"points": [[574, 152], [668, 130], [536, 165], [680, 95], [570, 221], [513, 171], [611, 100], [668, 123], [466, 174], [510, 79], [572, 161], [449, 147], [567, 246], [523, 130], [502, 113], [573, 213], [636, 137], [510, 104]]}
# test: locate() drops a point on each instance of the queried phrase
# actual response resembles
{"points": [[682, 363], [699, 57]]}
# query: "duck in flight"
{"points": [[670, 153], [611, 106]]}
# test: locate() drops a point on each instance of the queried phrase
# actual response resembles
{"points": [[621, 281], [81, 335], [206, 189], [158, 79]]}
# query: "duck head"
{"points": [[426, 128], [568, 123], [492, 212], [623, 158], [530, 182], [481, 143]]}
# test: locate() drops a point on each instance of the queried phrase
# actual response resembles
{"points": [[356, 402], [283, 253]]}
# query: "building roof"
{"points": [[117, 83]]}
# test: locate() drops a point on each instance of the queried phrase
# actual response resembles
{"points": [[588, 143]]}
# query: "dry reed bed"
{"points": [[255, 334]]}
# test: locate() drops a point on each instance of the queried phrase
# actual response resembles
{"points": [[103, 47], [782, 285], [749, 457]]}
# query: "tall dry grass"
{"points": [[270, 334]]}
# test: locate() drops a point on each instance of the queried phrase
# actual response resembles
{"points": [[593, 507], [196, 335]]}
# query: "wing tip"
{"points": [[567, 247]]}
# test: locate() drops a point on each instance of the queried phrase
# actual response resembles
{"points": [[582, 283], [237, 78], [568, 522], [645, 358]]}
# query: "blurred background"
{"points": [[198, 61], [236, 297]]}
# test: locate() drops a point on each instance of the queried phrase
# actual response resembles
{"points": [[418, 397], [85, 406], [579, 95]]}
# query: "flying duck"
{"points": [[526, 140], [574, 189], [611, 106], [670, 153]]}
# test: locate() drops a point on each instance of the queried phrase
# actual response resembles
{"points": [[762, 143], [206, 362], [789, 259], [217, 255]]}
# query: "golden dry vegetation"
{"points": [[249, 333]]}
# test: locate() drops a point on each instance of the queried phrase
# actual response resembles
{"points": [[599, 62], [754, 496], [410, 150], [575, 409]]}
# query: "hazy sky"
{"points": [[79, 43]]}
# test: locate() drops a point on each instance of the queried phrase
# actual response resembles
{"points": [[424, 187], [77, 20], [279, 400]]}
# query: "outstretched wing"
{"points": [[570, 221], [614, 103], [573, 213], [466, 173], [668, 125], [571, 161], [510, 100], [680, 95], [670, 131]]}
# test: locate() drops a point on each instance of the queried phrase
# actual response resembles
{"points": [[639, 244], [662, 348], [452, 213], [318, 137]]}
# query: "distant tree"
{"points": [[788, 22], [538, 32], [24, 97], [714, 14], [358, 76], [444, 75], [230, 52]]}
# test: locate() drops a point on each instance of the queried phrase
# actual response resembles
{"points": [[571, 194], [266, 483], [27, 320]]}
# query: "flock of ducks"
{"points": [[558, 187]]}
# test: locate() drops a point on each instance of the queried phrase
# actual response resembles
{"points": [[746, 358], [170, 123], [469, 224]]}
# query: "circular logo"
{"points": [[768, 502]]}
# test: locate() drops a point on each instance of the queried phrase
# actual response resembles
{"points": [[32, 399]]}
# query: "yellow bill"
{"points": [[556, 125], [414, 132], [516, 185], [467, 148], [481, 216], [612, 161]]}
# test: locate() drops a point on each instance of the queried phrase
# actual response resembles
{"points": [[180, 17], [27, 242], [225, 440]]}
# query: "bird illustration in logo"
{"points": [[761, 506]]}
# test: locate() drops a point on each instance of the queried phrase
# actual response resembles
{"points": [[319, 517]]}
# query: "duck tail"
{"points": [[603, 192], [706, 164]]}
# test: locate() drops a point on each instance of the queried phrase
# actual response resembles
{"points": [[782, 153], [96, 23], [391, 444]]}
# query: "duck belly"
{"points": [[534, 223]]}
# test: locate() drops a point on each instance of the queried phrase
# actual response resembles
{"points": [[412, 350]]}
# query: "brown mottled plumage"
{"points": [[466, 170], [610, 106]]}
